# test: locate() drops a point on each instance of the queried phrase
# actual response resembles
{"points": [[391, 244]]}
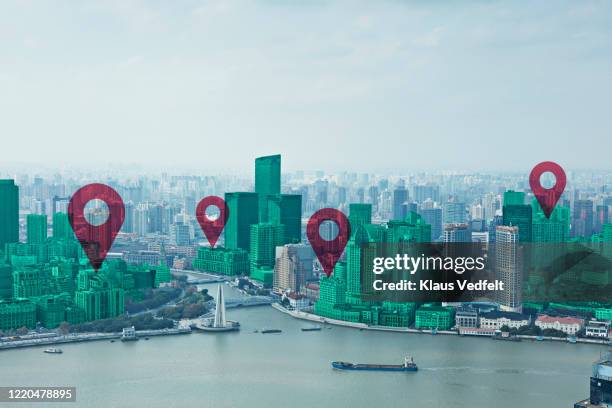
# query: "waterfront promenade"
{"points": [[362, 326], [81, 337]]}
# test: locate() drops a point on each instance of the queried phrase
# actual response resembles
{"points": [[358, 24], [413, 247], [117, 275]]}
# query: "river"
{"points": [[247, 369]]}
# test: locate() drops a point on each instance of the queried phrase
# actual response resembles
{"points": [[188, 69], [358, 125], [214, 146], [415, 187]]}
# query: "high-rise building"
{"points": [[6, 281], [373, 194], [180, 234], [359, 214], [517, 215], [582, 218], [553, 229], [400, 196], [61, 226], [36, 228], [433, 217], [267, 181], [454, 213], [293, 267], [265, 237], [512, 197], [508, 268], [601, 218], [426, 191], [457, 233], [286, 209], [128, 222], [9, 212], [243, 212]]}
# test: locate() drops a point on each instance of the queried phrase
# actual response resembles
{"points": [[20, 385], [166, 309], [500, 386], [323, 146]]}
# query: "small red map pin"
{"points": [[547, 197], [212, 228], [96, 240], [328, 251]]}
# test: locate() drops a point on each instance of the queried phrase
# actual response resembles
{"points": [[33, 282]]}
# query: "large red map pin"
{"points": [[96, 240], [328, 251], [212, 228], [547, 197]]}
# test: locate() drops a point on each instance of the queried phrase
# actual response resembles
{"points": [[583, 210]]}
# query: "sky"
{"points": [[334, 85]]}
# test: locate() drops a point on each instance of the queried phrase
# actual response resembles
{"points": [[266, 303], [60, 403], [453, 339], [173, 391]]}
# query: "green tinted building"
{"points": [[17, 313], [553, 229], [435, 317], [224, 261], [265, 237], [9, 212], [359, 214], [37, 228], [6, 281], [518, 214], [243, 212], [512, 197], [286, 209], [28, 281], [267, 181], [61, 226]]}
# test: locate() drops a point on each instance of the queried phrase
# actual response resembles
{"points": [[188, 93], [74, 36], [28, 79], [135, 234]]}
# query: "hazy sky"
{"points": [[361, 86]]}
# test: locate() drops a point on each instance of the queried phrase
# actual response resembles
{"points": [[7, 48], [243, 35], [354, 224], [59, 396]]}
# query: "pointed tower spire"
{"points": [[220, 309]]}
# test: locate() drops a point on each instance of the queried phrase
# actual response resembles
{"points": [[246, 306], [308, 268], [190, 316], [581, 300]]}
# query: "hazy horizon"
{"points": [[356, 86]]}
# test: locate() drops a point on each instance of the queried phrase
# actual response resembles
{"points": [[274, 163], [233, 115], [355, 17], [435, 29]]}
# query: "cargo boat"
{"points": [[409, 365], [307, 329], [266, 331], [53, 351]]}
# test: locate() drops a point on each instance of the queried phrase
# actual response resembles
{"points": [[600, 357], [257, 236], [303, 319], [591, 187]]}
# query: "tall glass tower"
{"points": [[37, 228], [9, 212], [267, 181]]}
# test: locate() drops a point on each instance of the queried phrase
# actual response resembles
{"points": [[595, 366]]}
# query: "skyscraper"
{"points": [[359, 214], [9, 212], [427, 191], [457, 233], [582, 218], [267, 181], [243, 212], [400, 196], [601, 218], [508, 268], [517, 214], [61, 226], [433, 217], [454, 213], [37, 228], [286, 209], [293, 267], [265, 237]]}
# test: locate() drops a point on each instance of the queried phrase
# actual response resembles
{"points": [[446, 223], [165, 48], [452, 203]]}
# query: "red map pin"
{"points": [[212, 228], [547, 197], [328, 252], [96, 240]]}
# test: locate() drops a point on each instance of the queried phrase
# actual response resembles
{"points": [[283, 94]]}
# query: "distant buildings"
{"points": [[582, 218]]}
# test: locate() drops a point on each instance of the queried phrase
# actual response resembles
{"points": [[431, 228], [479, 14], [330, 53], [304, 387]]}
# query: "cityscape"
{"points": [[150, 275], [321, 203]]}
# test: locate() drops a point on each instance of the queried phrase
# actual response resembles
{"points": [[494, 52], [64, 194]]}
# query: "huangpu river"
{"points": [[292, 369]]}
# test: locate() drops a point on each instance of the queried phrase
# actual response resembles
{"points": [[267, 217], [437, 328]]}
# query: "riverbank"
{"points": [[82, 337], [362, 326]]}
